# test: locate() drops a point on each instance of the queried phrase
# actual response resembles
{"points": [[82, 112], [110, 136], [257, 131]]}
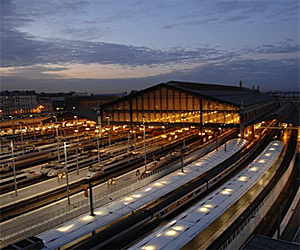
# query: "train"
{"points": [[46, 153], [19, 178]]}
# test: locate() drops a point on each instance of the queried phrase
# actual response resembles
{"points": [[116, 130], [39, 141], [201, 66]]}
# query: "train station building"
{"points": [[194, 104]]}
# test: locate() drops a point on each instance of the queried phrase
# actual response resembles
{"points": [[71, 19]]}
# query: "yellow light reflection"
{"points": [[98, 212], [178, 228], [65, 229], [203, 209], [137, 195], [147, 189], [267, 154], [171, 233], [261, 161], [148, 247], [128, 199], [226, 191], [208, 205], [242, 178], [272, 149], [253, 169], [157, 184], [88, 217]]}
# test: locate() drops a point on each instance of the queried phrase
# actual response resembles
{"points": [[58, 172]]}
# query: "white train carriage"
{"points": [[19, 178], [192, 222], [65, 234]]}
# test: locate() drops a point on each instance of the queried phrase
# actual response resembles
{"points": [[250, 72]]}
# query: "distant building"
{"points": [[77, 103], [53, 101], [18, 102], [283, 97]]}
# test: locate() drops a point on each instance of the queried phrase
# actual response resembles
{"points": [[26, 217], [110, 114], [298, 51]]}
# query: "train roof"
{"points": [[193, 221], [82, 225]]}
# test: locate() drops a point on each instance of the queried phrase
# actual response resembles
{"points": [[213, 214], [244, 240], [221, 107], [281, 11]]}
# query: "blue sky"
{"points": [[114, 46]]}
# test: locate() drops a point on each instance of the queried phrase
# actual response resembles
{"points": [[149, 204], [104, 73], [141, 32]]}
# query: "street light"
{"points": [[107, 117], [77, 131], [20, 123], [183, 117], [97, 131], [57, 137], [14, 167], [183, 148], [144, 135], [67, 175]]}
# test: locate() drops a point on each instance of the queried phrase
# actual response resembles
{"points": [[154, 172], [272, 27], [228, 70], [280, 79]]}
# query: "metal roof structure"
{"points": [[238, 96], [263, 242], [288, 113]]}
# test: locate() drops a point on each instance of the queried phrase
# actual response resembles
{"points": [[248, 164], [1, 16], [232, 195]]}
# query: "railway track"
{"points": [[30, 204], [119, 226]]}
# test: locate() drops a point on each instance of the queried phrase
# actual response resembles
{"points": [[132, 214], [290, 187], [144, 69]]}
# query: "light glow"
{"points": [[65, 229]]}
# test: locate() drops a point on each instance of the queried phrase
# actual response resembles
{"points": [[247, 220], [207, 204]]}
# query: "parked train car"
{"points": [[20, 178]]}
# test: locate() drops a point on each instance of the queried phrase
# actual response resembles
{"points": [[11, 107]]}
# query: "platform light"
{"points": [[147, 189], [137, 195], [208, 205], [98, 212], [267, 154], [261, 161]]}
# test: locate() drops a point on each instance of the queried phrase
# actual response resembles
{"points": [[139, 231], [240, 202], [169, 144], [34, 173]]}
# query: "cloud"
{"points": [[278, 48], [268, 74], [21, 49]]}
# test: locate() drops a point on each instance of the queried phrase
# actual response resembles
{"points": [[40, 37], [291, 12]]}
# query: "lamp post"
{"points": [[67, 176], [183, 148], [20, 123], [57, 137], [97, 131], [183, 118], [14, 167], [77, 129], [109, 143], [144, 135]]}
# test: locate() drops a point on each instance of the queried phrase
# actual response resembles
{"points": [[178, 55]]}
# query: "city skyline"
{"points": [[111, 47]]}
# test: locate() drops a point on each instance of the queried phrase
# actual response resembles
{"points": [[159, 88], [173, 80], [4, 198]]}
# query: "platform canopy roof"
{"points": [[288, 113]]}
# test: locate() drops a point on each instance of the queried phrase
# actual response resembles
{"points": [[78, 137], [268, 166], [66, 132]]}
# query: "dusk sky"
{"points": [[112, 46]]}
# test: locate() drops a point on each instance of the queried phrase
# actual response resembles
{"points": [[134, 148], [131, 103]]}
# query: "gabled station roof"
{"points": [[237, 96]]}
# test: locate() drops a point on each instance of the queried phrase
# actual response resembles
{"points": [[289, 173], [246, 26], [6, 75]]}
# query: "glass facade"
{"points": [[169, 105]]}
